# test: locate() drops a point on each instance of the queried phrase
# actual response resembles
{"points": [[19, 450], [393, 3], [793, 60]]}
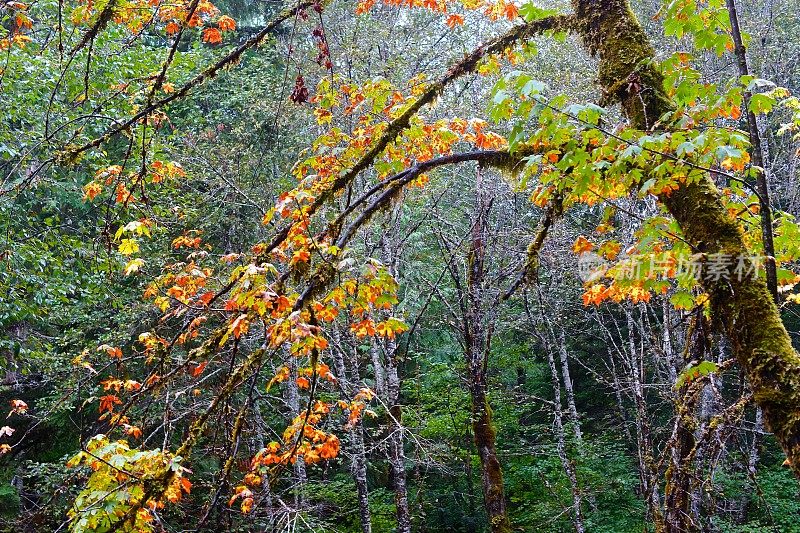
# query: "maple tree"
{"points": [[230, 323]]}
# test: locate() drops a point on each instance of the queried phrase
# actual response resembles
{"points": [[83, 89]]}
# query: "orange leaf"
{"points": [[582, 245], [455, 20], [226, 23], [212, 36], [196, 371]]}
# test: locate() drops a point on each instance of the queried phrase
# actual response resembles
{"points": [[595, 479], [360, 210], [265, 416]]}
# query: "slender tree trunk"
{"points": [[679, 476], [744, 307], [757, 151], [397, 457], [359, 468], [477, 348], [346, 365], [491, 471], [752, 466], [390, 379], [571, 407], [561, 445], [377, 365]]}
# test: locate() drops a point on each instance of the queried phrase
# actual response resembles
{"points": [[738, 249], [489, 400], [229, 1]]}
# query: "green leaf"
{"points": [[761, 103], [692, 372]]}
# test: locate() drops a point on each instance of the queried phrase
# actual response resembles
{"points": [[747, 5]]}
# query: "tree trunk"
{"points": [[476, 353], [349, 380], [757, 151], [680, 473], [744, 307], [561, 445], [752, 466], [491, 472], [397, 457], [571, 407]]}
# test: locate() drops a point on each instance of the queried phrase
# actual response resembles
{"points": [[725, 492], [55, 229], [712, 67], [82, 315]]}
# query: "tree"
{"points": [[223, 320]]}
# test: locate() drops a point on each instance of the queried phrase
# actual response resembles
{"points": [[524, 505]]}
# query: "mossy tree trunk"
{"points": [[476, 331], [742, 307], [680, 475]]}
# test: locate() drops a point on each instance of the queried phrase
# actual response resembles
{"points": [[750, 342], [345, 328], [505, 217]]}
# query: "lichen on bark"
{"points": [[741, 306]]}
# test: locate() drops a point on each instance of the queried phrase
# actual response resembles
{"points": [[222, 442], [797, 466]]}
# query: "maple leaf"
{"points": [[205, 298], [364, 328], [300, 256], [197, 370], [23, 22], [364, 6], [132, 431], [247, 505], [455, 20], [122, 193], [582, 245], [108, 401], [91, 190], [300, 92], [595, 295], [226, 23], [128, 246], [18, 407], [390, 328], [511, 11], [212, 36], [239, 325], [113, 351], [133, 266]]}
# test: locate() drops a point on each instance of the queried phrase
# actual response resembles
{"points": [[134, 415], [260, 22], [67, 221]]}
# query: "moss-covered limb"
{"points": [[157, 485], [383, 194], [530, 269], [682, 445], [99, 25], [491, 471], [742, 307], [467, 65]]}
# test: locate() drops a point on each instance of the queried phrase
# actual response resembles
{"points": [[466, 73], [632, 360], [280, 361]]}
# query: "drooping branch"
{"points": [[741, 305], [390, 187], [227, 61]]}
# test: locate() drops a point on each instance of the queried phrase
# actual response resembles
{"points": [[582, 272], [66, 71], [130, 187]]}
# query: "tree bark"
{"points": [[570, 392], [476, 352], [392, 383], [561, 445], [744, 307], [397, 457], [346, 365], [757, 151], [752, 467], [680, 473]]}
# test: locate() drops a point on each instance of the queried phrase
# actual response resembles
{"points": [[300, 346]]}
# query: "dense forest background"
{"points": [[606, 416]]}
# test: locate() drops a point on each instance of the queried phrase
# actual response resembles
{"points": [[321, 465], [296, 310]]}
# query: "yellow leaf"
{"points": [[128, 246], [133, 266]]}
